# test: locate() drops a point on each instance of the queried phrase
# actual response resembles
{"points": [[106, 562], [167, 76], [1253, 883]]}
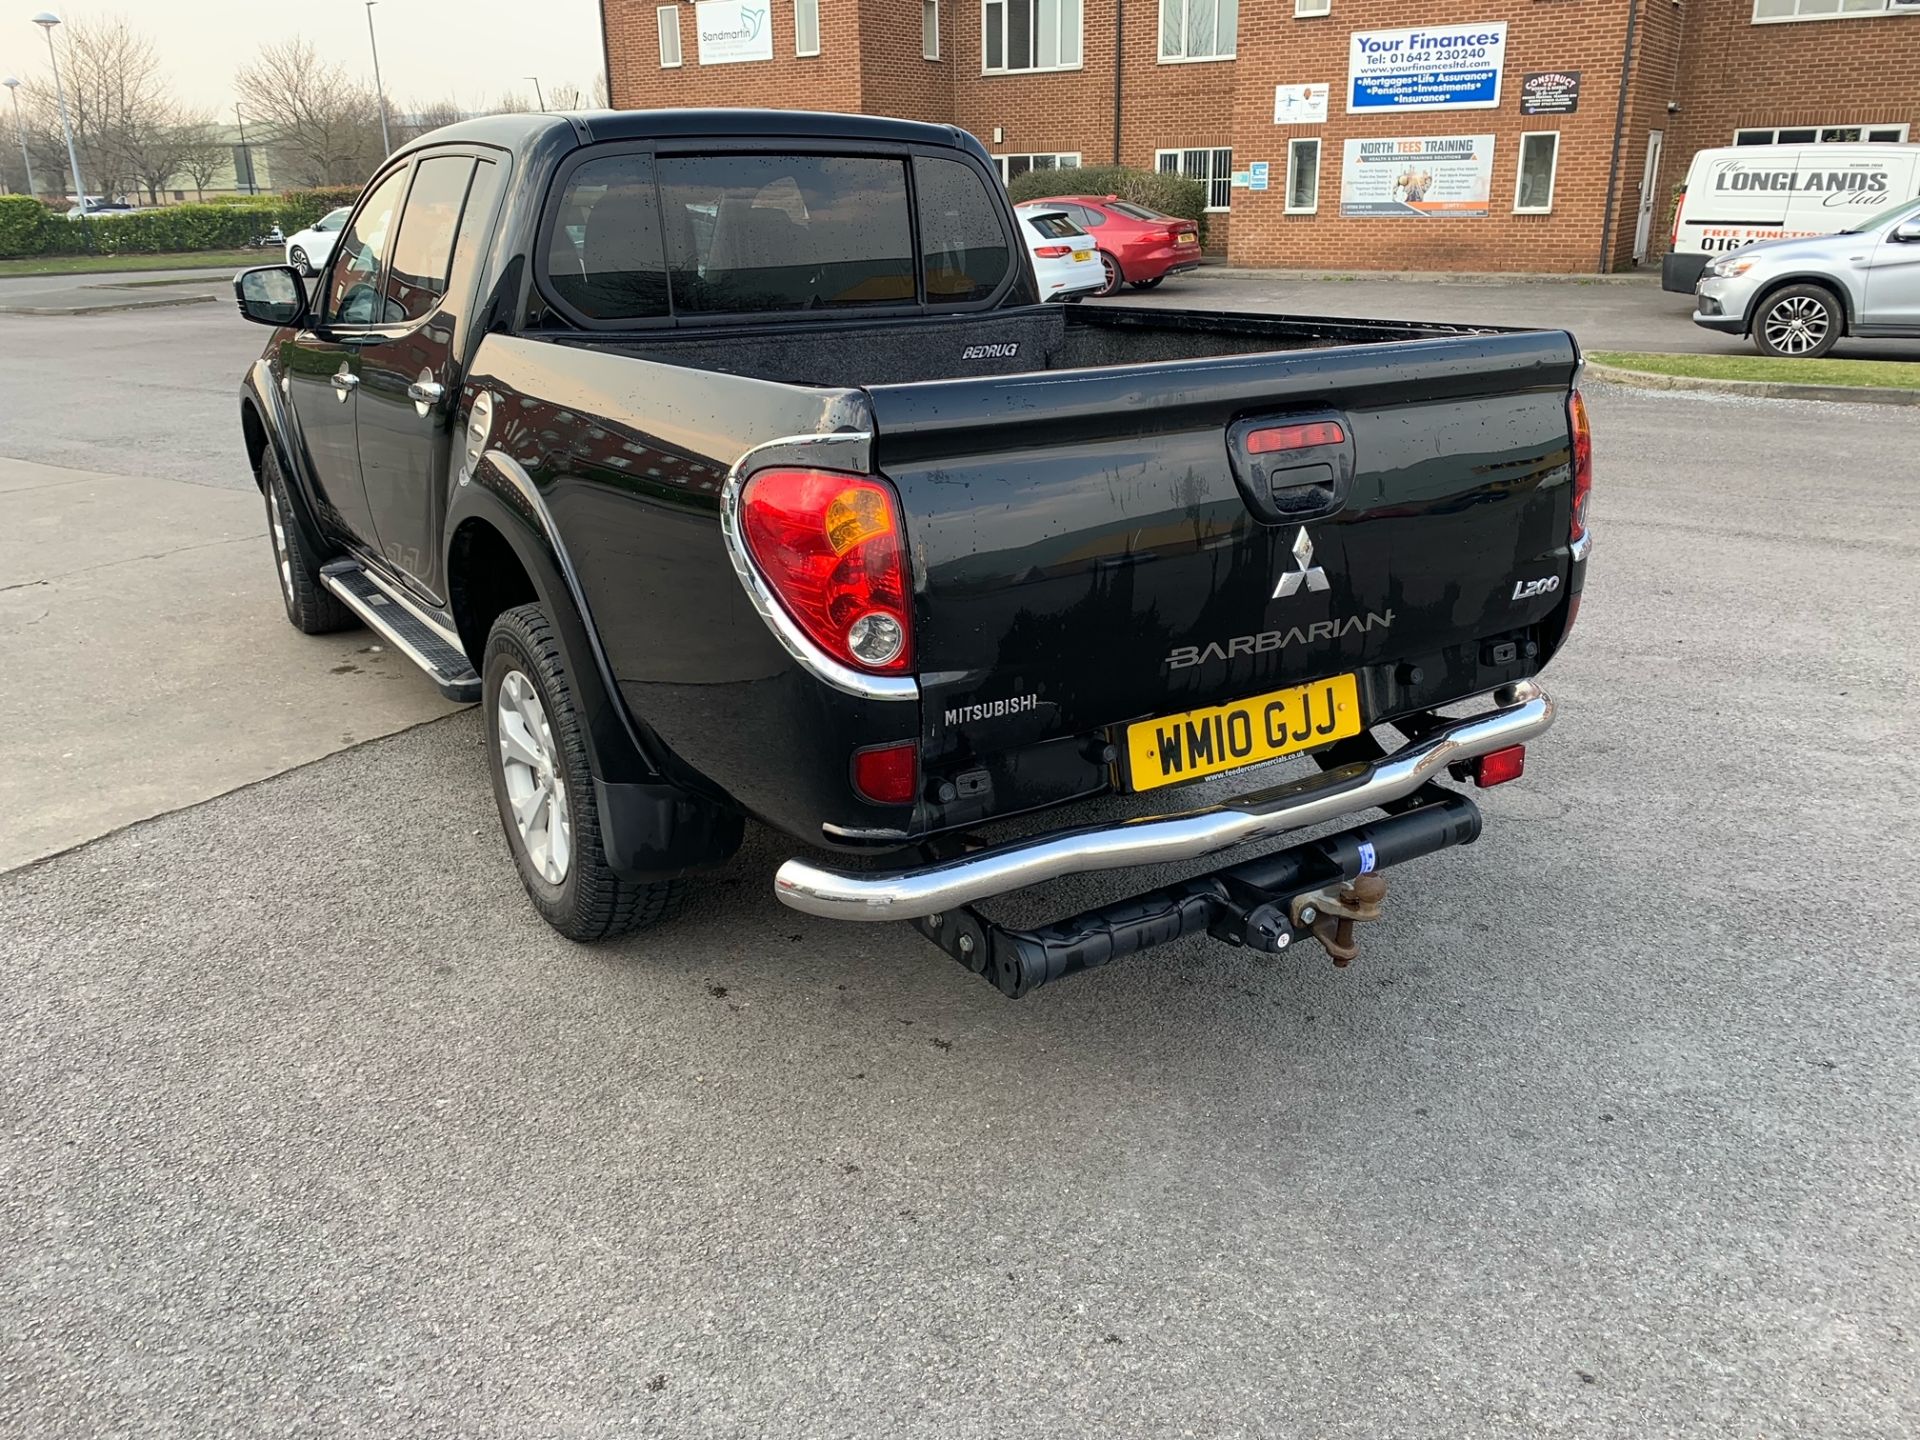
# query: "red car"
{"points": [[1137, 245]]}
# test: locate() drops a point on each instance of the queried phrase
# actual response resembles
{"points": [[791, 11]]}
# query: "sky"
{"points": [[429, 49]]}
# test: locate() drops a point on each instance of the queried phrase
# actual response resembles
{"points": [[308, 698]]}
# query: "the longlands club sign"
{"points": [[1859, 184]]}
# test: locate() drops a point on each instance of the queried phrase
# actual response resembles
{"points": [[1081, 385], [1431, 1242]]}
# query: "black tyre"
{"points": [[1114, 276], [543, 788], [1152, 284], [311, 607], [298, 257], [1798, 322]]}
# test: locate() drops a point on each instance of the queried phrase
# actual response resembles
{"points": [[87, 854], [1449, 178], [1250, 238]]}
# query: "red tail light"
{"points": [[831, 546], [1053, 252], [1582, 464], [1499, 766], [1314, 433], [888, 774]]}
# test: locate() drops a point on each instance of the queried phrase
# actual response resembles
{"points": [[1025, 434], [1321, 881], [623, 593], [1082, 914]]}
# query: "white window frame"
{"points": [[1079, 38], [1062, 160], [1520, 169], [930, 34], [1885, 9], [1294, 147], [1311, 9], [798, 6], [1228, 54], [1774, 130], [1213, 153], [661, 15]]}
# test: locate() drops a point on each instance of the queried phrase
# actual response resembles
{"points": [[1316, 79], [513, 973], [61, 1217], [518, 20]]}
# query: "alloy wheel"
{"points": [[1797, 324], [277, 523], [536, 786]]}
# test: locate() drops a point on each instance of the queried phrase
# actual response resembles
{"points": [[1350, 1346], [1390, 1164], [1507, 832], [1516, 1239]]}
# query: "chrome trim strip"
{"points": [[1525, 712], [1583, 547], [802, 449]]}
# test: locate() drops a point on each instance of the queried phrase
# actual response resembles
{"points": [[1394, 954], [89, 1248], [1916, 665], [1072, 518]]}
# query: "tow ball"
{"points": [[1330, 914]]}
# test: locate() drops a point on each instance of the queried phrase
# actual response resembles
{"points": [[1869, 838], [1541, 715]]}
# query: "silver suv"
{"points": [[1796, 297]]}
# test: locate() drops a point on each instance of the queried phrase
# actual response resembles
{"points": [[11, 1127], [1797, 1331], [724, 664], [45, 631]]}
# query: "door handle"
{"points": [[425, 392], [344, 382]]}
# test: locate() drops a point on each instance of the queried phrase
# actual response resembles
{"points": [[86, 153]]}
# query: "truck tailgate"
{"points": [[1099, 546]]}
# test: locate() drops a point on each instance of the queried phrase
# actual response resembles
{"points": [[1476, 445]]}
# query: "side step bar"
{"points": [[1522, 712], [423, 640]]}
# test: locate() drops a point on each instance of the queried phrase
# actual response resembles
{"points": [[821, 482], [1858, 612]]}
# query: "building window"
{"points": [[1768, 10], [806, 27], [1533, 182], [1011, 166], [1214, 167], [669, 16], [930, 29], [1029, 35], [1303, 177], [1306, 8], [1821, 135], [1198, 29]]}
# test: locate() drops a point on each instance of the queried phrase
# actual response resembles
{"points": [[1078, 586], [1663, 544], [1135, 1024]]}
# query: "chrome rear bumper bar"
{"points": [[1522, 712]]}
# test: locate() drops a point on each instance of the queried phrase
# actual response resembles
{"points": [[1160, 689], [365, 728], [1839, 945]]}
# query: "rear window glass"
{"points": [[1055, 227], [785, 232], [1138, 212], [960, 231], [604, 258]]}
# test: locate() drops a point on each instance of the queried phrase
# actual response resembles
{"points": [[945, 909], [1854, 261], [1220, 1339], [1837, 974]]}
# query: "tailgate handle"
{"points": [[1294, 467]]}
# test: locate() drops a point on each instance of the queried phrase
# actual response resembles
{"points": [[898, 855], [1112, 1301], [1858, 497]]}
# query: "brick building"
{"points": [[1531, 135]]}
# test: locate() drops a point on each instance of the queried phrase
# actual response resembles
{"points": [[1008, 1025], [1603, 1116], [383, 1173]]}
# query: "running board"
{"points": [[425, 642]]}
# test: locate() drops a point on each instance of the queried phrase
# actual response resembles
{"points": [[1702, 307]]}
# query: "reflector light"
{"points": [[830, 547], [1582, 463], [1053, 252], [1295, 437], [888, 775], [1497, 767]]}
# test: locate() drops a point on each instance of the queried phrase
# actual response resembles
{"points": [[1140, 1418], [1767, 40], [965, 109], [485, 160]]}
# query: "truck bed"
{"points": [[916, 349]]}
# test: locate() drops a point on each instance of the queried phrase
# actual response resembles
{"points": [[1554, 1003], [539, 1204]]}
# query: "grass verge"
{"points": [[121, 264], [1888, 374]]}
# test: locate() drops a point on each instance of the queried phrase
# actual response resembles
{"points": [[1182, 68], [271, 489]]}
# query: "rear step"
{"points": [[434, 649]]}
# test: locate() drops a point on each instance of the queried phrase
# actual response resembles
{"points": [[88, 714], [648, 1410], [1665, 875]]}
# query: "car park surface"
{"points": [[1623, 1148]]}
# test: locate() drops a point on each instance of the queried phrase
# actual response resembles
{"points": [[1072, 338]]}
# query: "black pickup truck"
{"points": [[728, 460]]}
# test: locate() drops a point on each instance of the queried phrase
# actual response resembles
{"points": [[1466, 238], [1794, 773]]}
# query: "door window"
{"points": [[423, 255], [353, 289]]}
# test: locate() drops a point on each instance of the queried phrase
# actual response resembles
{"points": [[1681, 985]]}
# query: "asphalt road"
{"points": [[308, 1127]]}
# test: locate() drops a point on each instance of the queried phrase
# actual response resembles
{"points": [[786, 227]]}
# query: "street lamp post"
{"points": [[46, 20], [379, 90], [12, 82], [539, 99]]}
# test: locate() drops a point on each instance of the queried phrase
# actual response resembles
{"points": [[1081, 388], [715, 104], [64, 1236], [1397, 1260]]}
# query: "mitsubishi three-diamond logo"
{"points": [[1311, 574]]}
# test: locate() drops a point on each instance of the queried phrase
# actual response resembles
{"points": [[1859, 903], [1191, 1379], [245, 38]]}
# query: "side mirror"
{"points": [[271, 295], [1907, 232]]}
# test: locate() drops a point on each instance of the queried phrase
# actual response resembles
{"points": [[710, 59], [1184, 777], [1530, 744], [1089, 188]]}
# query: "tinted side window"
{"points": [[1055, 227], [352, 290], [1091, 218], [785, 232], [605, 258], [423, 255], [960, 231]]}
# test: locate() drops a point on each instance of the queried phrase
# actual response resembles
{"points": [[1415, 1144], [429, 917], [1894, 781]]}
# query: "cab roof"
{"points": [[518, 132]]}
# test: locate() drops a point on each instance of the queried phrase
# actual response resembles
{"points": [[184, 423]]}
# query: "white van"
{"points": [[1742, 194]]}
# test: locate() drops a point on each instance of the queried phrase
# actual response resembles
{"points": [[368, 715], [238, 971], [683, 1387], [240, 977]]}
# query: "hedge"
{"points": [[28, 227], [1169, 194]]}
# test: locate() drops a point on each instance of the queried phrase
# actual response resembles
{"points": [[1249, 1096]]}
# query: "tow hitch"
{"points": [[1319, 890]]}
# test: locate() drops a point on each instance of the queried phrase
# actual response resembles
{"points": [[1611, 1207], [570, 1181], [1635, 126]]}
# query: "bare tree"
{"points": [[320, 126], [566, 96], [509, 104], [118, 103], [205, 155], [417, 119], [600, 100]]}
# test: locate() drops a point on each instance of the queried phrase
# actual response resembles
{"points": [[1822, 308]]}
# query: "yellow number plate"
{"points": [[1083, 255], [1188, 237], [1225, 737]]}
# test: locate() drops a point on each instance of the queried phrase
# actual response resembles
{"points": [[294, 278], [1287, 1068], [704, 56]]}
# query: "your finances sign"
{"points": [[1434, 67]]}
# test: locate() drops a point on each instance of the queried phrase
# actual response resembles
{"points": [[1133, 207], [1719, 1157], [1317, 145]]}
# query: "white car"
{"points": [[99, 209], [1065, 260], [308, 250]]}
